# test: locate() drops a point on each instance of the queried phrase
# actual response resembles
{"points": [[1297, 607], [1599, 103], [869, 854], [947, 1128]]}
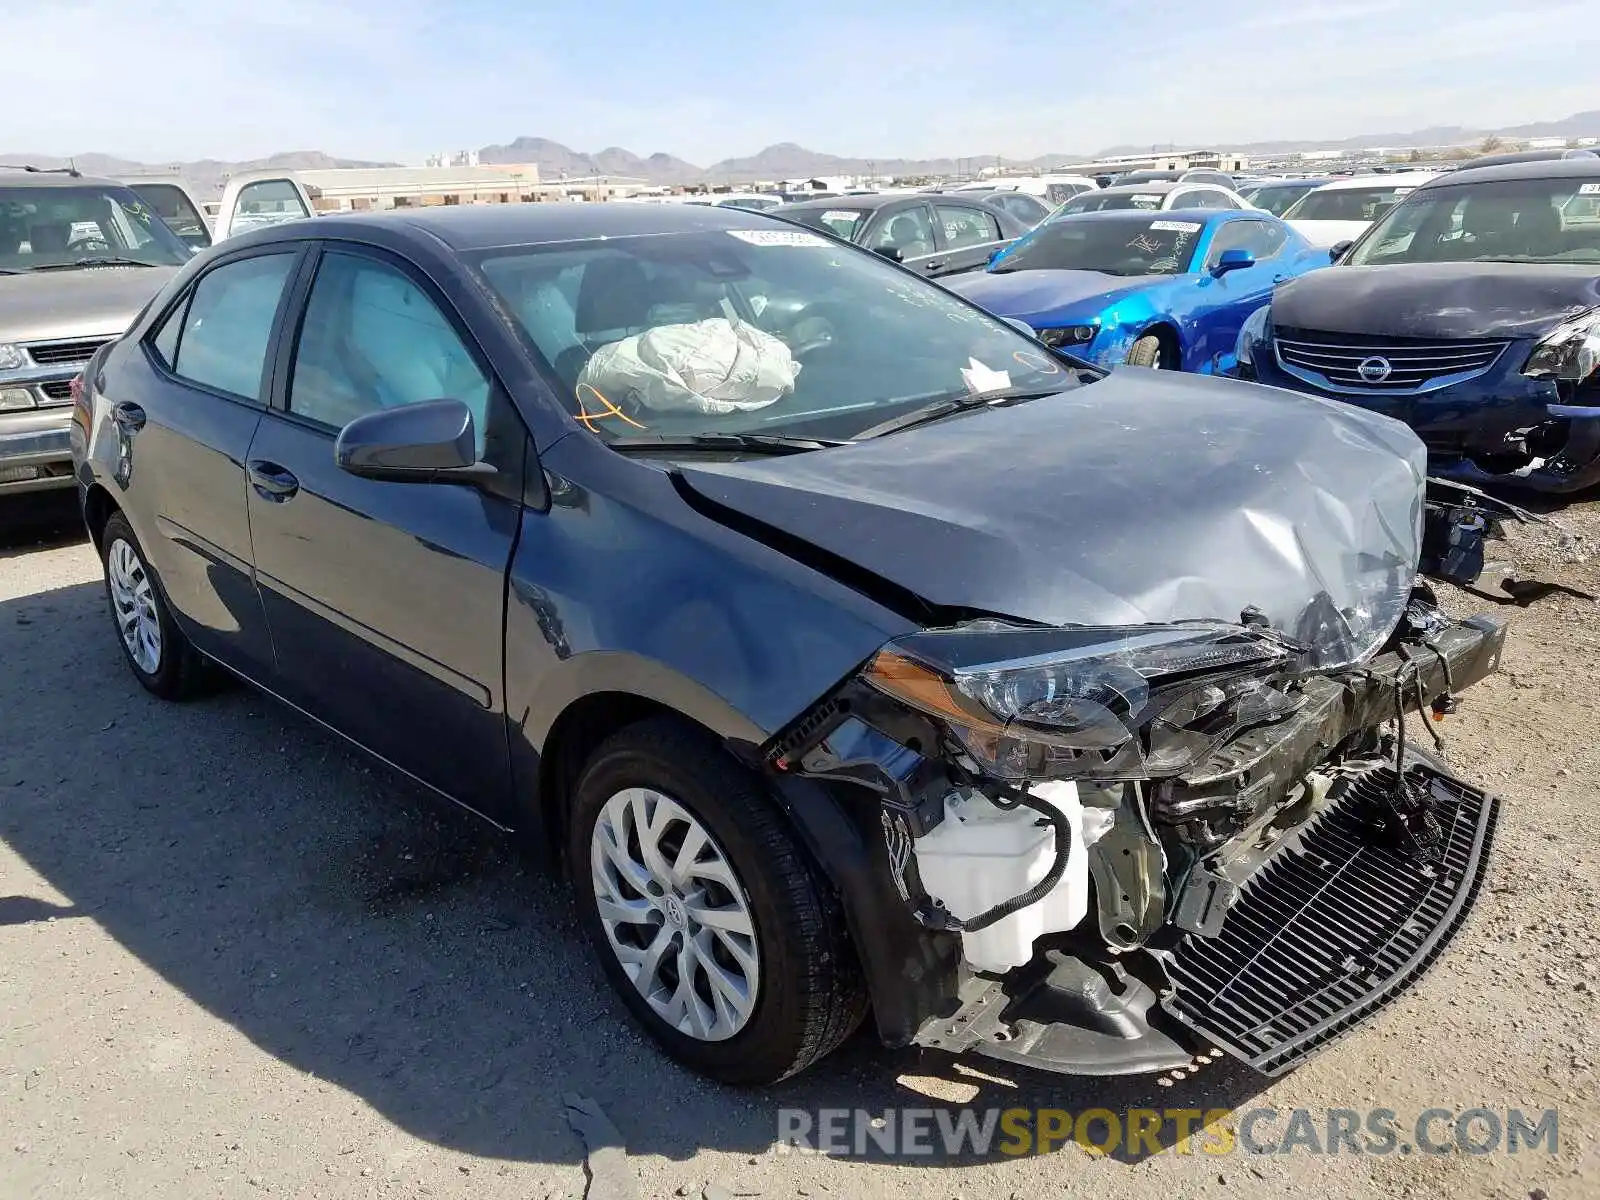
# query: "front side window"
{"points": [[371, 339], [909, 231], [1120, 245], [53, 227], [172, 205], [227, 325], [966, 226], [751, 330], [841, 222], [1262, 239], [1518, 220]]}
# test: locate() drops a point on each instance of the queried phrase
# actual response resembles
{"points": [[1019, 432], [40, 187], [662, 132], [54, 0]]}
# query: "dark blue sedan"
{"points": [[854, 651], [1162, 289]]}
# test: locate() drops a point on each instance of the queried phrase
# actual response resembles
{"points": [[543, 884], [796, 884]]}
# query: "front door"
{"points": [[968, 235], [253, 200], [1236, 295], [907, 229], [386, 600]]}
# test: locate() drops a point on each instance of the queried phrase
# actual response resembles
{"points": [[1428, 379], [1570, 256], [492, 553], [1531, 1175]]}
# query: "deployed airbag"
{"points": [[720, 365]]}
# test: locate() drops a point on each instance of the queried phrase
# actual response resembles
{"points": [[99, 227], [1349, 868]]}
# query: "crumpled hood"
{"points": [[1026, 294], [1438, 300], [1145, 497], [89, 302]]}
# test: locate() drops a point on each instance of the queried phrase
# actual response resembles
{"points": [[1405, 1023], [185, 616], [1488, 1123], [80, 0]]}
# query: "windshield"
{"points": [[1349, 204], [1104, 201], [1130, 245], [843, 222], [1279, 198], [62, 226], [775, 331], [1520, 220]]}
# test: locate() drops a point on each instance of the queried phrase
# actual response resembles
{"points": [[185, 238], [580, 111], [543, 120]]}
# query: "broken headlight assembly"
{"points": [[1570, 353], [1093, 703], [1067, 336]]}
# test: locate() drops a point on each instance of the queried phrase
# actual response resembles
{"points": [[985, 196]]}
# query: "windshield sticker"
{"points": [[841, 214], [1176, 226], [1589, 189], [981, 379], [1035, 362], [778, 237]]}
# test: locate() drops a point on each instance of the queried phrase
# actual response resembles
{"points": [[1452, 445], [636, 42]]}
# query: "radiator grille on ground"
{"points": [[1352, 362], [1327, 934], [49, 354]]}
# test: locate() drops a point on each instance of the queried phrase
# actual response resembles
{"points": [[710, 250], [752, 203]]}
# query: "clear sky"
{"points": [[708, 79]]}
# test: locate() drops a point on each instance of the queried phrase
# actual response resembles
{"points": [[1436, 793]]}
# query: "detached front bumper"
{"points": [[1330, 925]]}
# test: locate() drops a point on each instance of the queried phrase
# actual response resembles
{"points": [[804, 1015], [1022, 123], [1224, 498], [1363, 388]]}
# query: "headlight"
{"points": [[1571, 353], [1253, 331], [11, 357], [1067, 336], [1089, 702]]}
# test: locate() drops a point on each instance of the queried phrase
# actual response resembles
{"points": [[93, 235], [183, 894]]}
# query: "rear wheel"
{"points": [[711, 922], [1147, 352], [159, 655]]}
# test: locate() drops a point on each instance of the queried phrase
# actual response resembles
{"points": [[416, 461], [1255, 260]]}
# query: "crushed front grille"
{"points": [[50, 354], [1332, 930], [1351, 362]]}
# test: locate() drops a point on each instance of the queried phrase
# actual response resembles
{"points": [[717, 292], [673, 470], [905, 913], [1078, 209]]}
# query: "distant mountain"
{"points": [[557, 162], [205, 174], [1579, 125]]}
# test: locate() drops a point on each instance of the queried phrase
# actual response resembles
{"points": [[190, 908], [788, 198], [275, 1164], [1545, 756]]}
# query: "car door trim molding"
{"points": [[479, 693]]}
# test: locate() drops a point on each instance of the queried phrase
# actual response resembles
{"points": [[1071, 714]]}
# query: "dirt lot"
{"points": [[236, 958]]}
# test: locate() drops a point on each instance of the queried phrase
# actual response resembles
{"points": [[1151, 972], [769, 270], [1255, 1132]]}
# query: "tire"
{"points": [[160, 657], [794, 988], [1146, 352]]}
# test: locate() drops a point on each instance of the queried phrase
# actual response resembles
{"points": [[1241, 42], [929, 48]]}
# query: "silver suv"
{"points": [[79, 258]]}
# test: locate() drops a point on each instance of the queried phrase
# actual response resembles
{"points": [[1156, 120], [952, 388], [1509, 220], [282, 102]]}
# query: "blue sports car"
{"points": [[1153, 289]]}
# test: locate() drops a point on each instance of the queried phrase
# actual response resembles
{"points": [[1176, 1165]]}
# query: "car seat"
{"points": [[50, 237], [905, 235]]}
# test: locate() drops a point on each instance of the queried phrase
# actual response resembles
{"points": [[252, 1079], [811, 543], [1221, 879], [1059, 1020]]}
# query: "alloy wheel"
{"points": [[134, 602], [676, 914]]}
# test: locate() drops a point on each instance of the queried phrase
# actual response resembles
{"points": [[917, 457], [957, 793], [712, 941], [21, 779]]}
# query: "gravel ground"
{"points": [[236, 958]]}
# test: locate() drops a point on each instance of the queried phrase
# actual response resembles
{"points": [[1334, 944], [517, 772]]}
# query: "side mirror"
{"points": [[416, 443], [1339, 249], [1233, 260], [892, 253], [996, 253]]}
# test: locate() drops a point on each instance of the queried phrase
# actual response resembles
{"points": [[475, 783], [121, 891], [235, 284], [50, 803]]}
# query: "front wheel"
{"points": [[711, 922], [1146, 352], [157, 652]]}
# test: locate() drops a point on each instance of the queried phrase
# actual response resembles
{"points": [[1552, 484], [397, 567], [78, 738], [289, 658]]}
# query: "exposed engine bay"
{"points": [[1155, 841]]}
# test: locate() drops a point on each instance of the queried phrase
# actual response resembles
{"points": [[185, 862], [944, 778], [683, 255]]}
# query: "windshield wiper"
{"points": [[97, 261], [760, 443], [952, 404]]}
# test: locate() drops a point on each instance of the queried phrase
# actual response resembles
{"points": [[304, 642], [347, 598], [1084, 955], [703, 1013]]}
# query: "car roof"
{"points": [[863, 202], [1389, 179], [1197, 215], [1153, 187], [470, 227], [45, 179], [1550, 168]]}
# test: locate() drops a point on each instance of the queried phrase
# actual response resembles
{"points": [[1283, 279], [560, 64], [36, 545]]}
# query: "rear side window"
{"points": [[226, 324]]}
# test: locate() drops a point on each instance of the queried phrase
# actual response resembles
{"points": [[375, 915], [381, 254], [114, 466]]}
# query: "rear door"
{"points": [[185, 401], [254, 199], [386, 600], [968, 234]]}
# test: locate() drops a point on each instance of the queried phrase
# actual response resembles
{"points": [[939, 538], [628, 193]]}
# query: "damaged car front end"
{"points": [[1124, 846]]}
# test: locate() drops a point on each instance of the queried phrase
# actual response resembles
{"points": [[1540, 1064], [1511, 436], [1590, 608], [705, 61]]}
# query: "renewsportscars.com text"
{"points": [[913, 1132]]}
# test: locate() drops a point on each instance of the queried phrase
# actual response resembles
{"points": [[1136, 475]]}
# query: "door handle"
{"points": [[271, 481], [933, 266], [129, 417]]}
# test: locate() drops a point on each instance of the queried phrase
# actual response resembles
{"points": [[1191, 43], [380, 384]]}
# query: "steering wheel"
{"points": [[89, 241]]}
